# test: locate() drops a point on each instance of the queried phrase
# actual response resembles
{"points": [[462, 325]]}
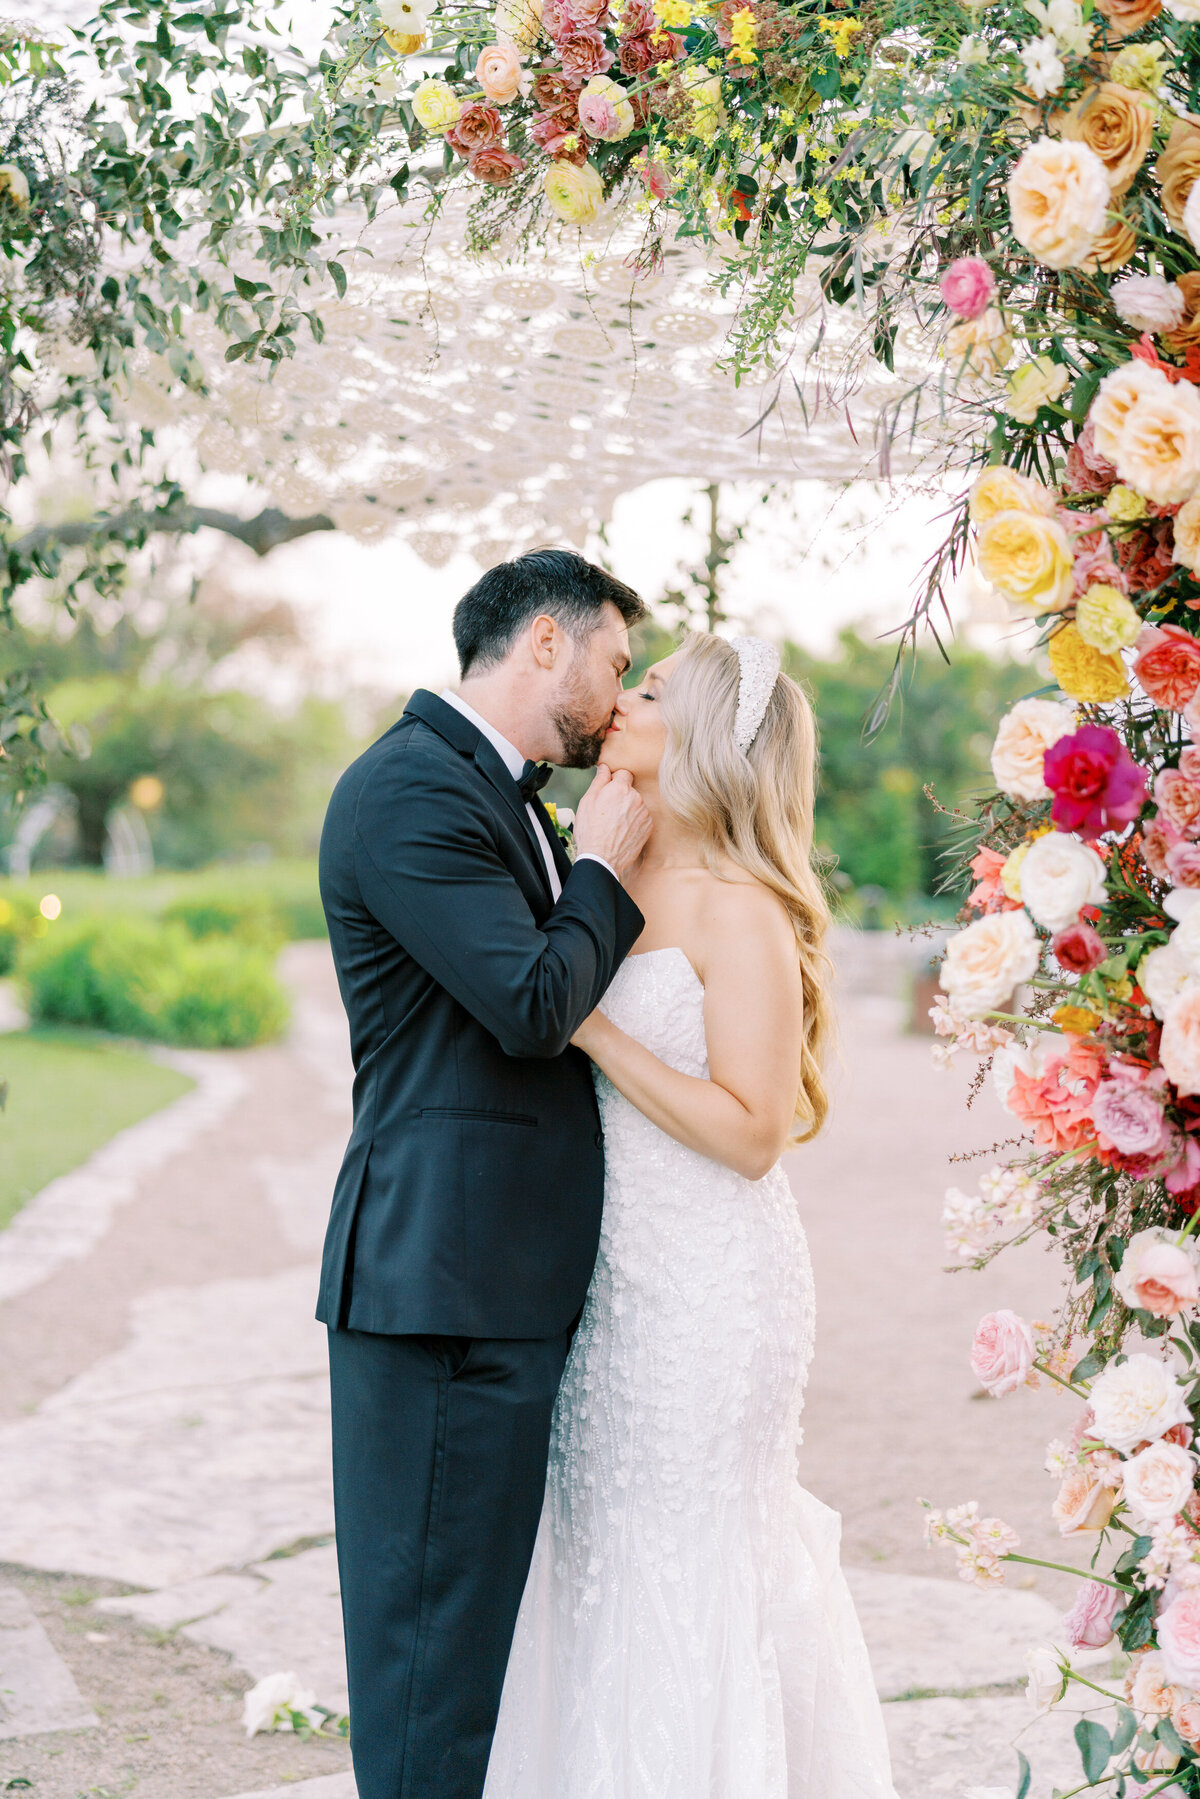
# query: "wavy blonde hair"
{"points": [[755, 809]]}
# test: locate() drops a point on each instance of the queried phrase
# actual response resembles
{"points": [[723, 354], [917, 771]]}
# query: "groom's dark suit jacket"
{"points": [[468, 1203]]}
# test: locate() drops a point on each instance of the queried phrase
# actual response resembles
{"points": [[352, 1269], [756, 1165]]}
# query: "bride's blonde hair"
{"points": [[755, 808]]}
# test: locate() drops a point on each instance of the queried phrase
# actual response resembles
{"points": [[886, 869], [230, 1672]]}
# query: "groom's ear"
{"points": [[547, 640]]}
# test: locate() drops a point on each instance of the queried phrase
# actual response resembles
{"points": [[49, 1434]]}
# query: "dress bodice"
{"points": [[657, 997]]}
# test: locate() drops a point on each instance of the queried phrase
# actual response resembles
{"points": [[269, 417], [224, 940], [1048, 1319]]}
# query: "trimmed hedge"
{"points": [[143, 979]]}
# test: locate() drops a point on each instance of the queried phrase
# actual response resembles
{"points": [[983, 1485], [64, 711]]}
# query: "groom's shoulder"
{"points": [[409, 757]]}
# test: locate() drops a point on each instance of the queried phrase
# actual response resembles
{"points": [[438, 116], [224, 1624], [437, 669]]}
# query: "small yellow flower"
{"points": [[1084, 673], [822, 206], [840, 31], [1105, 619], [1010, 874], [1124, 506], [743, 35], [675, 14], [1076, 1020], [787, 118]]}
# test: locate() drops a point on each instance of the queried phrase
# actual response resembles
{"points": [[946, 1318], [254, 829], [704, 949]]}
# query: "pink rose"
{"points": [[1185, 1716], [1002, 1353], [1082, 1503], [1179, 1050], [1183, 865], [1079, 948], [1129, 1117], [476, 126], [1158, 1275], [495, 165], [967, 286], [1087, 471], [1185, 1175], [1089, 1623], [1179, 1638], [1179, 798], [1168, 665], [1158, 836], [1097, 565], [498, 72], [584, 53]]}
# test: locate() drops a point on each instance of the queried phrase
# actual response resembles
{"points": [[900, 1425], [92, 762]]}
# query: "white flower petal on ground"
{"points": [[274, 1695]]}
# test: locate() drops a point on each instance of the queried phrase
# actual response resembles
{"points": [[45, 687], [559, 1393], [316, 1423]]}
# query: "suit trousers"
{"points": [[439, 1466]]}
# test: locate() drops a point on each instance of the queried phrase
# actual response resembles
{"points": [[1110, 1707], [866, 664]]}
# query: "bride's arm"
{"points": [[753, 1018]]}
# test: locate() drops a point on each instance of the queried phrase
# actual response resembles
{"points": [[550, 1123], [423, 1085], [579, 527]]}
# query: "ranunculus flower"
{"points": [[1089, 1623], [1179, 1051], [1024, 736], [1148, 302], [1058, 200], [1034, 385], [1159, 1274], [1002, 1353], [1029, 559], [1079, 948], [475, 126], [584, 53], [436, 105], [1103, 616], [1127, 1115], [1168, 666], [1002, 489], [967, 286], [605, 111], [498, 72], [986, 960], [1136, 1401], [1117, 123], [1097, 786], [1149, 428], [1059, 877], [495, 165], [1082, 1503], [1178, 1630], [575, 194]]}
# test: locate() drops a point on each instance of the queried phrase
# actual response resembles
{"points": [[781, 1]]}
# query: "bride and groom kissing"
{"points": [[567, 1287]]}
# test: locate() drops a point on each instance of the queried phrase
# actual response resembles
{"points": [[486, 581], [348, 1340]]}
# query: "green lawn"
{"points": [[69, 1092]]}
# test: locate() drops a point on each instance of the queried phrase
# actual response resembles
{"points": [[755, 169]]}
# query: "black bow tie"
{"points": [[533, 778]]}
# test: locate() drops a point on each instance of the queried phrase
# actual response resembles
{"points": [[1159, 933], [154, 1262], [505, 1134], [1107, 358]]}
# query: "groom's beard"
{"points": [[580, 746]]}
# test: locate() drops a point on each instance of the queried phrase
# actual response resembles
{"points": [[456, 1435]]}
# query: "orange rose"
{"points": [[1124, 17], [1187, 332], [1114, 246], [1116, 122], [1177, 169]]}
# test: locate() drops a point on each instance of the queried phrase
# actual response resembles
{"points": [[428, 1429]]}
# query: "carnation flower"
{"points": [[1148, 302], [967, 286], [1168, 665], [1082, 672], [1105, 619], [1129, 1117], [1158, 1274], [1028, 558], [1097, 786], [1178, 1631], [1024, 736], [495, 165], [582, 54], [1140, 65], [1086, 470], [1149, 427], [1034, 385], [1089, 1623], [1044, 68], [1059, 876], [575, 194], [1058, 197], [984, 962], [1136, 1401], [1002, 1353]]}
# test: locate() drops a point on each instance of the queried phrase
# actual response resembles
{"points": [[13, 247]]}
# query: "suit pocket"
{"points": [[469, 1114]]}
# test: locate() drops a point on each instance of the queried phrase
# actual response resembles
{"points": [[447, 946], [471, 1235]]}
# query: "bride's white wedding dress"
{"points": [[686, 1631]]}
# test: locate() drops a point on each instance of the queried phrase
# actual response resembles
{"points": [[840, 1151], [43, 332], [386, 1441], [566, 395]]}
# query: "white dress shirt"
{"points": [[514, 761]]}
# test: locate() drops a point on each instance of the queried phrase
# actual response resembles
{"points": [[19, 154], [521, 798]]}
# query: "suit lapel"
{"points": [[562, 861]]}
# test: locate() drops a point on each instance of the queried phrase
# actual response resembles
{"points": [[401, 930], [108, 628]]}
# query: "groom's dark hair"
{"points": [[491, 615]]}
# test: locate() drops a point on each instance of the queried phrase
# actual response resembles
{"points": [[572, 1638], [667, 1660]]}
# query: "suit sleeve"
{"points": [[430, 871]]}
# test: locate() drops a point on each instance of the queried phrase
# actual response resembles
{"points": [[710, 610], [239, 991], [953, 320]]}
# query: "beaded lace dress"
{"points": [[686, 1631]]}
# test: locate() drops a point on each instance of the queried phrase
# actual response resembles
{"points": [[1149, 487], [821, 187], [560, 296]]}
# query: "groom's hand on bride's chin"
{"points": [[612, 820]]}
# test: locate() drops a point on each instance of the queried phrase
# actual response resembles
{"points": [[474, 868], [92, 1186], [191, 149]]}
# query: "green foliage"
{"points": [[249, 917], [18, 914], [873, 814], [288, 890], [143, 979]]}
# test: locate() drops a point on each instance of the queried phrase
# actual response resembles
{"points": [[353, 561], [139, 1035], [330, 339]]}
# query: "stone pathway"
{"points": [[165, 1508]]}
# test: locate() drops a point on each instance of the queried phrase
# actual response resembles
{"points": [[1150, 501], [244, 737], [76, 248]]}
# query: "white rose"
{"points": [[1044, 69], [277, 1693], [1058, 200], [1148, 302], [986, 961], [1158, 1481], [1163, 975], [1186, 11], [1047, 1683], [409, 17], [1150, 429], [1025, 734], [1185, 941], [1058, 876], [1135, 1401]]}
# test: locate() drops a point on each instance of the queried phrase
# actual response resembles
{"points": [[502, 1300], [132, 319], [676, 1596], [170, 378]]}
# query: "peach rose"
{"points": [[1002, 1353], [1158, 1481], [1179, 798], [1058, 200], [1113, 248], [1179, 1051], [1177, 169], [1025, 734], [1158, 1274], [1117, 124], [1149, 1690], [1185, 1716], [498, 72], [1179, 1639], [1083, 1503], [986, 960], [1168, 666], [1149, 428], [1124, 17]]}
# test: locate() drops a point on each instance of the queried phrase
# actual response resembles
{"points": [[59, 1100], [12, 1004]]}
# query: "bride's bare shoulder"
{"points": [[733, 907]]}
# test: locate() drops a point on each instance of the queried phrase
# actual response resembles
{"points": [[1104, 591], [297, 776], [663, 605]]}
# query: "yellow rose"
{"points": [[1124, 506], [1084, 673], [1033, 386], [14, 183], [980, 346], [1105, 619], [1004, 490], [1028, 558], [436, 105], [575, 194]]}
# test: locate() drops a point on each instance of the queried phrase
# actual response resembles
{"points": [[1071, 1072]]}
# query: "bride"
{"points": [[686, 1631]]}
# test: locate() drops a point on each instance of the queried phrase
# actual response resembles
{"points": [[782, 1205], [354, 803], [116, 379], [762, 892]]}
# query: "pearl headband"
{"points": [[758, 671]]}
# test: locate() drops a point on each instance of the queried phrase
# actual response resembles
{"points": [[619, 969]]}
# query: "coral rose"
{"points": [[498, 72], [1079, 948], [967, 286], [1117, 124], [1179, 1050], [1168, 666], [1089, 1623], [1179, 798], [1124, 17], [1178, 1631], [1177, 169], [575, 194], [1082, 1503], [1082, 672], [1002, 489], [987, 960], [1097, 786], [1060, 876], [1024, 736], [1002, 1353], [1136, 1401], [1029, 559], [1058, 198], [1158, 1274], [495, 165]]}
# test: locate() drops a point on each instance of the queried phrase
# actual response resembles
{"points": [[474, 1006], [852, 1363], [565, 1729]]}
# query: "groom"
{"points": [[466, 1216]]}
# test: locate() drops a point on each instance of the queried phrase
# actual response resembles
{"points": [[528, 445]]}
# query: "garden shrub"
{"points": [[17, 915], [143, 979], [250, 917]]}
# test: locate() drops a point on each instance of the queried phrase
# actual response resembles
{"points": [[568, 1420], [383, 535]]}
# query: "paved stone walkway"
{"points": [[164, 1426]]}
